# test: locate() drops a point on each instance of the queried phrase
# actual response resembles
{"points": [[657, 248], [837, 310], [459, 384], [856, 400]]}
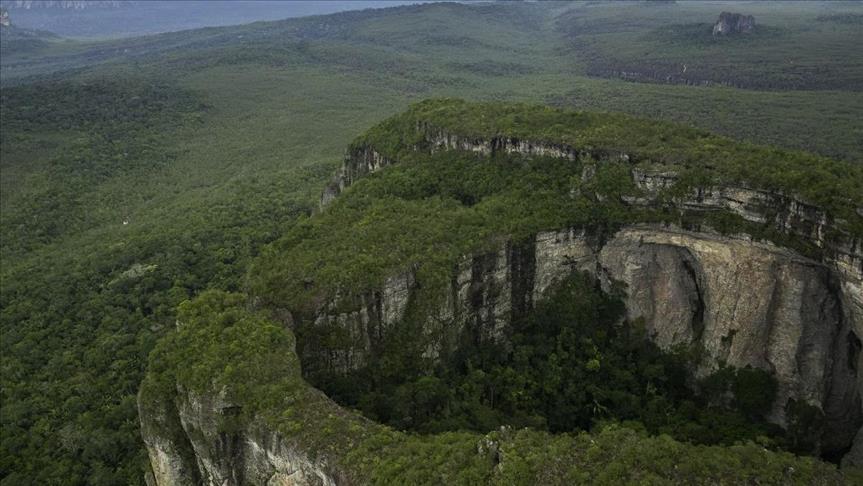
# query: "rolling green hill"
{"points": [[138, 173]]}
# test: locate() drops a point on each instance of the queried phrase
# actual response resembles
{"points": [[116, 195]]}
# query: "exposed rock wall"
{"points": [[784, 212], [748, 304], [741, 302], [172, 459], [359, 162], [841, 251], [190, 440], [365, 319], [362, 160], [300, 437], [733, 23]]}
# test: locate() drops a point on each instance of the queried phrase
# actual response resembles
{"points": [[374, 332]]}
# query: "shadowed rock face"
{"points": [[733, 23], [172, 458], [274, 429], [742, 303], [189, 442], [747, 304]]}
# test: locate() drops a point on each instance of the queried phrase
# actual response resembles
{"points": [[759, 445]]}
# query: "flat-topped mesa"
{"points": [[536, 131], [237, 412], [741, 302], [363, 159], [783, 212], [787, 213]]}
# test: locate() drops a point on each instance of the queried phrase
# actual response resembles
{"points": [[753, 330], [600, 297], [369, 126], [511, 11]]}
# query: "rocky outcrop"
{"points": [[733, 23], [172, 458], [743, 304], [199, 439], [842, 252], [739, 301], [359, 162], [362, 159], [780, 211], [363, 319], [272, 428], [783, 212]]}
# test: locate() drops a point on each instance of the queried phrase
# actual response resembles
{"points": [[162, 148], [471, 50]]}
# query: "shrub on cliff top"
{"points": [[264, 382]]}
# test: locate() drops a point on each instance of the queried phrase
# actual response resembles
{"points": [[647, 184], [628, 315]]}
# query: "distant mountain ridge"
{"points": [[66, 4], [114, 18]]}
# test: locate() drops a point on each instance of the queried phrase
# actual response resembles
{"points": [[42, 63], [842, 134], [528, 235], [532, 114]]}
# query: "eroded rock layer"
{"points": [[739, 301]]}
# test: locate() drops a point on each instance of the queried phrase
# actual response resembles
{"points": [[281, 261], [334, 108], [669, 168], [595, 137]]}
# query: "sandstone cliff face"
{"points": [[745, 303], [780, 211], [191, 440], [738, 301], [359, 162], [733, 23], [172, 459], [741, 302]]}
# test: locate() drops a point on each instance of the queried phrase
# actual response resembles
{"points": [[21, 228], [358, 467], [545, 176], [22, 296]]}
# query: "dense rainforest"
{"points": [[141, 173]]}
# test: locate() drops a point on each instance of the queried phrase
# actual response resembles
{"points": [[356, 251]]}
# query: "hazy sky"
{"points": [[147, 16]]}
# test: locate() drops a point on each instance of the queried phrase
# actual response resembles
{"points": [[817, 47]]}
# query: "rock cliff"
{"points": [[739, 301], [224, 404], [203, 424], [733, 23], [190, 440], [782, 292], [742, 303]]}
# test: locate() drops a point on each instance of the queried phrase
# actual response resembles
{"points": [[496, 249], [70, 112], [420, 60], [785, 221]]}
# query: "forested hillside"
{"points": [[251, 360], [564, 365], [139, 173]]}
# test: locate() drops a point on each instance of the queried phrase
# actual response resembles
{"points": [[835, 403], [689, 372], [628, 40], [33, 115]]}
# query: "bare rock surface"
{"points": [[733, 23]]}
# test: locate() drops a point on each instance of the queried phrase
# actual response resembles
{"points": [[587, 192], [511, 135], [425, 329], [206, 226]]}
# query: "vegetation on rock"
{"points": [[252, 358], [432, 207], [212, 143]]}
